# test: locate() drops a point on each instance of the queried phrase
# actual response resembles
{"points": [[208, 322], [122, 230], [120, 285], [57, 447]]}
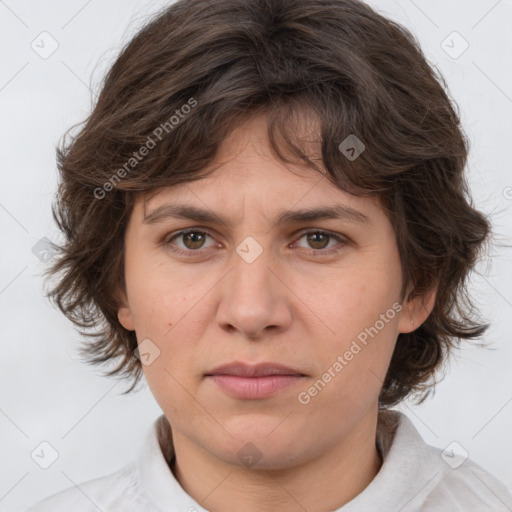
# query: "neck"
{"points": [[325, 482]]}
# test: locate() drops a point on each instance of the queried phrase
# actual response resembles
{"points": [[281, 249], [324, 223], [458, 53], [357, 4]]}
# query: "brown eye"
{"points": [[190, 242], [318, 240], [193, 239]]}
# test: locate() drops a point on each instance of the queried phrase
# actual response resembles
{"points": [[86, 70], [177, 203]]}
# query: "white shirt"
{"points": [[413, 477]]}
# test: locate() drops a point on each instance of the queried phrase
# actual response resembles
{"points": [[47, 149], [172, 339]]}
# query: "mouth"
{"points": [[252, 382], [240, 369]]}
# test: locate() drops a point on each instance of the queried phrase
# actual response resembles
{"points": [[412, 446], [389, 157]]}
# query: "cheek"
{"points": [[356, 300], [353, 371], [159, 295], [362, 312], [174, 373], [168, 389], [171, 309]]}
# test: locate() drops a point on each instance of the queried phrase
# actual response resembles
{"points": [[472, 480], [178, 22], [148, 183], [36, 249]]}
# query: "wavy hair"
{"points": [[198, 69]]}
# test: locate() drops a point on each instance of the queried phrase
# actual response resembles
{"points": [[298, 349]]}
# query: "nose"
{"points": [[255, 301]]}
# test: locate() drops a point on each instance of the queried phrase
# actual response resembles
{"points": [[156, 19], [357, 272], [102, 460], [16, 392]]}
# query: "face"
{"points": [[319, 296]]}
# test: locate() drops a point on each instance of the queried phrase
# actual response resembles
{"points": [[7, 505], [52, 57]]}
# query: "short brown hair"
{"points": [[356, 71]]}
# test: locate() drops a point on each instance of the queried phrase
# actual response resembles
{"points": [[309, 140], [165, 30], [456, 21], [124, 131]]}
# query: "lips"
{"points": [[244, 381], [240, 369]]}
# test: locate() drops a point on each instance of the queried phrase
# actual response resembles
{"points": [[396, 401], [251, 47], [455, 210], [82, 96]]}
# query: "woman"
{"points": [[266, 214]]}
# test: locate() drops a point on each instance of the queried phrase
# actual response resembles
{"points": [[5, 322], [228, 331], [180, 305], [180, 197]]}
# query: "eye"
{"points": [[193, 240], [319, 240]]}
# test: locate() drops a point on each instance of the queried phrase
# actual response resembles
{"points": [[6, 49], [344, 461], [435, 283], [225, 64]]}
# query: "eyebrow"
{"points": [[181, 211]]}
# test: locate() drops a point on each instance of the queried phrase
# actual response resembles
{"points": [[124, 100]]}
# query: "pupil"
{"points": [[320, 235], [195, 238]]}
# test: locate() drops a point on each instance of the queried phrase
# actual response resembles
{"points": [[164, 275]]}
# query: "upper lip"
{"points": [[241, 369]]}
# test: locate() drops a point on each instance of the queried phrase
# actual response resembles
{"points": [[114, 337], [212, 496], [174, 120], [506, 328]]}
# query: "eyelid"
{"points": [[342, 239], [167, 239], [306, 231]]}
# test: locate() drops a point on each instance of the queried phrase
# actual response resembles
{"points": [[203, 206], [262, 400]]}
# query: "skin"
{"points": [[288, 306]]}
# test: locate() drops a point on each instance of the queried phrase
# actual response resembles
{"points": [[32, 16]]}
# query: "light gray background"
{"points": [[48, 394]]}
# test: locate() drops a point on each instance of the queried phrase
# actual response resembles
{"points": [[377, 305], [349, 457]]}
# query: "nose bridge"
{"points": [[250, 279], [252, 298]]}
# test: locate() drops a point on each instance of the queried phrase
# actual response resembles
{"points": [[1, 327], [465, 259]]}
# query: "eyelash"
{"points": [[167, 241]]}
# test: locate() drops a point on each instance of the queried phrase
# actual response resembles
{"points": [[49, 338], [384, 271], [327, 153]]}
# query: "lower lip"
{"points": [[252, 388]]}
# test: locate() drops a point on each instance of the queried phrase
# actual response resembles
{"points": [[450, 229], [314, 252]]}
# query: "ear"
{"points": [[416, 311], [124, 313]]}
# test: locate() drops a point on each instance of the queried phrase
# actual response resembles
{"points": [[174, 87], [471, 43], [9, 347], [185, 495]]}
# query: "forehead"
{"points": [[245, 174]]}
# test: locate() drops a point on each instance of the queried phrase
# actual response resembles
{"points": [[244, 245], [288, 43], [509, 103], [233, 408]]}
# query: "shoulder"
{"points": [[118, 491], [446, 480], [466, 486]]}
